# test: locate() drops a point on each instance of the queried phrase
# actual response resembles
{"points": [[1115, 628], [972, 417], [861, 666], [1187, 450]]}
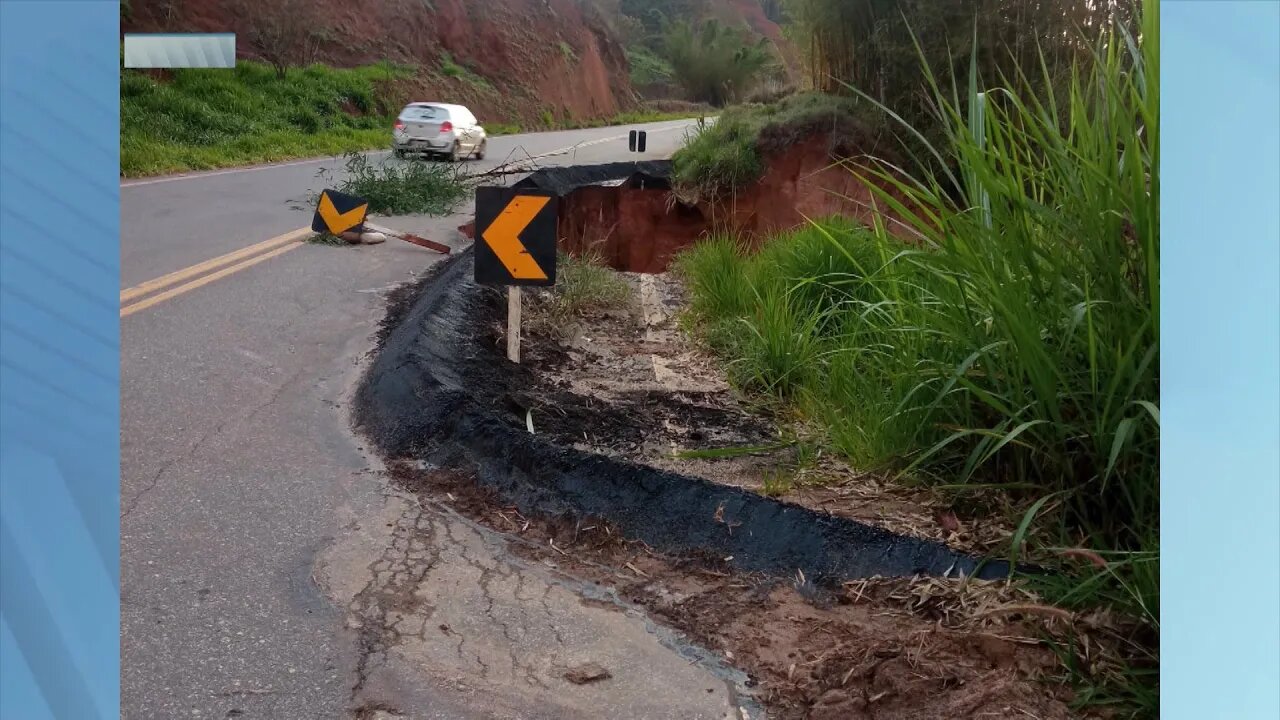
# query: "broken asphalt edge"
{"points": [[414, 403]]}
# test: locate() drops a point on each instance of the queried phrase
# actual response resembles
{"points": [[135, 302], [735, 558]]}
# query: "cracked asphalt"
{"points": [[267, 569]]}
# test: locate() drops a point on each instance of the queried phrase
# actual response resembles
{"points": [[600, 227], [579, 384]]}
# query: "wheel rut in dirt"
{"points": [[441, 392]]}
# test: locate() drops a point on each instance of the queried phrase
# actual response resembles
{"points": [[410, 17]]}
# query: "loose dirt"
{"points": [[874, 649], [629, 382]]}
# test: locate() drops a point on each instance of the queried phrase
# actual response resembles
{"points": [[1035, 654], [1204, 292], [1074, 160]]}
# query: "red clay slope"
{"points": [[524, 59]]}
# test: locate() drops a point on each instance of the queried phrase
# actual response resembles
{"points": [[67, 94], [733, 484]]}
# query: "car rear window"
{"points": [[422, 112]]}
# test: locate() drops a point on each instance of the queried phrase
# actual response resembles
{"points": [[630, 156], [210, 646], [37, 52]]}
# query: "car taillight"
{"points": [[399, 124], [446, 126]]}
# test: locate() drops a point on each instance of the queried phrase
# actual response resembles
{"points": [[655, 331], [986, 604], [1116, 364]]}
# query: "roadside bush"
{"points": [[715, 63], [403, 188]]}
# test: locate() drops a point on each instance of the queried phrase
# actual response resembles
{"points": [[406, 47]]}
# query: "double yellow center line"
{"points": [[149, 293]]}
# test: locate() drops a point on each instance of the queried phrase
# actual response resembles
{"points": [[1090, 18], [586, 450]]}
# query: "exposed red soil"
{"points": [[642, 230], [630, 229], [809, 179], [537, 56]]}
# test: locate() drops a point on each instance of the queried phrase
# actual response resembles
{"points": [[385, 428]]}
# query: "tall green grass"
{"points": [[1012, 344], [200, 119]]}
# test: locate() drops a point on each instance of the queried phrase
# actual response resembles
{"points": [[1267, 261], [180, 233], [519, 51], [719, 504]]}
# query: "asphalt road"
{"points": [[173, 222], [260, 545]]}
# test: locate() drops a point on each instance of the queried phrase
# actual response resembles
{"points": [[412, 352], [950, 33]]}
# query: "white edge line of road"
{"points": [[311, 161]]}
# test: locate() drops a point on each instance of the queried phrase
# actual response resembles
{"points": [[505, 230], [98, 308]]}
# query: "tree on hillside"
{"points": [[285, 33], [714, 63], [657, 15], [630, 30]]}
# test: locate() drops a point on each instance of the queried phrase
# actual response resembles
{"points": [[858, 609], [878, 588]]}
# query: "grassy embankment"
{"points": [[206, 119], [1013, 349], [726, 155]]}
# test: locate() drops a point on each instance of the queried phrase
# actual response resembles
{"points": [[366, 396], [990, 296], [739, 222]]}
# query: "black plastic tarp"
{"points": [[562, 180]]}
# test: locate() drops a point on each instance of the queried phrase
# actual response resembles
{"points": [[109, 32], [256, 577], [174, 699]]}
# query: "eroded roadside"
{"points": [[450, 619], [435, 599], [813, 646]]}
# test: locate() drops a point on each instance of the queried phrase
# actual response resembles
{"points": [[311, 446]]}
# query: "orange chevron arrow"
{"points": [[339, 222], [503, 236]]}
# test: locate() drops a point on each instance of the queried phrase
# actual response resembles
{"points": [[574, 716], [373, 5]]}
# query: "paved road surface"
{"points": [[268, 571]]}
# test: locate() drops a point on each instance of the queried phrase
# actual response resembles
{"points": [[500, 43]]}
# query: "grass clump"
{"points": [[203, 119], [1012, 346], [585, 287], [402, 188], [451, 68], [499, 129]]}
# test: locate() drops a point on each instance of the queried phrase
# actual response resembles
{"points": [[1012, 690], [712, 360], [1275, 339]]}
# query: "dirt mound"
{"points": [[511, 61]]}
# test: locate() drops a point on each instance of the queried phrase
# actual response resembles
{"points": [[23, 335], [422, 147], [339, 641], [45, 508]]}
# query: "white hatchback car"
{"points": [[438, 129]]}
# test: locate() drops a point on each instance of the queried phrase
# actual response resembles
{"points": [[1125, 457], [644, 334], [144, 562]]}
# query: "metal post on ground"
{"points": [[513, 323]]}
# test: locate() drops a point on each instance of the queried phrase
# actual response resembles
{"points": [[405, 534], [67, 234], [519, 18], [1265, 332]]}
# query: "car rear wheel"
{"points": [[484, 144], [453, 152], [400, 154]]}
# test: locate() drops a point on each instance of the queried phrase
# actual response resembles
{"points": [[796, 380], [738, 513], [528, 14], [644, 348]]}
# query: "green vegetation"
{"points": [[648, 68], [498, 129], [567, 50], [450, 68], [203, 119], [714, 63], [207, 119], [875, 45], [725, 156], [681, 47], [655, 16], [1012, 345], [402, 188], [583, 286]]}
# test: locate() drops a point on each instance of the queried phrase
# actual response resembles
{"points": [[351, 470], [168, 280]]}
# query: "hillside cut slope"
{"points": [[526, 61]]}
